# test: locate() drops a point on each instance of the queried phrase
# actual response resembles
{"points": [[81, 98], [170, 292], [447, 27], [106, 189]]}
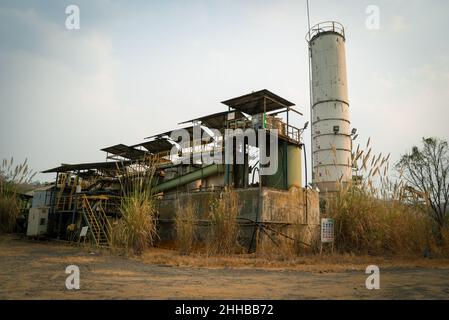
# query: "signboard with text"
{"points": [[83, 232], [327, 230]]}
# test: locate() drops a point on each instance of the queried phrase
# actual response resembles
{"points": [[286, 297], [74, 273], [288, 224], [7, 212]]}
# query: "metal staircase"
{"points": [[95, 217]]}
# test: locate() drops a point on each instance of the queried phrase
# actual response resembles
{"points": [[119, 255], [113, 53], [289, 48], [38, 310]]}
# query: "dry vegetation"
{"points": [[13, 178], [223, 233], [136, 229], [335, 262], [374, 215], [185, 225], [9, 211], [364, 224], [275, 247], [280, 245]]}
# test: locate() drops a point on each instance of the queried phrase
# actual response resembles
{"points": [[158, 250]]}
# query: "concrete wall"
{"points": [[279, 209], [167, 207], [286, 213], [289, 206]]}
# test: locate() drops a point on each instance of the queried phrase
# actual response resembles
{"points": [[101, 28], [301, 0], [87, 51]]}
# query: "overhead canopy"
{"points": [[125, 151], [112, 165], [258, 102], [157, 145], [204, 134], [217, 120]]}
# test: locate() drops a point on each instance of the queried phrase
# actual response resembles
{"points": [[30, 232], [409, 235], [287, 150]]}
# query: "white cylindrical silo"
{"points": [[331, 132]]}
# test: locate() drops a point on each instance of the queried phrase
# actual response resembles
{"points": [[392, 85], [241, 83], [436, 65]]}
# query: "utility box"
{"points": [[37, 221]]}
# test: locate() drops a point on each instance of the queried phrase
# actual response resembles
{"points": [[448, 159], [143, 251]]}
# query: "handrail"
{"points": [[294, 133], [107, 225], [196, 148], [91, 213], [96, 216], [326, 26]]}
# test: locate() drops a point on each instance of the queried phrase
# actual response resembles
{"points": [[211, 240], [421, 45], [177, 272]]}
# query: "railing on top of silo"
{"points": [[327, 26]]}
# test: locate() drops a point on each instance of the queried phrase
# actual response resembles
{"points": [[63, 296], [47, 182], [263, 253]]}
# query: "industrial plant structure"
{"points": [[89, 194]]}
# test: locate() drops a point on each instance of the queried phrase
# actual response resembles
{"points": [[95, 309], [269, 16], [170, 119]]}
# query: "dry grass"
{"points": [[185, 225], [310, 263], [306, 239], [9, 211], [12, 178], [287, 244], [365, 224], [224, 229], [136, 229], [372, 216], [275, 247]]}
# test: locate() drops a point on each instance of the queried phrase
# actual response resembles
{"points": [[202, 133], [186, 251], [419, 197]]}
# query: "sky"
{"points": [[137, 68]]}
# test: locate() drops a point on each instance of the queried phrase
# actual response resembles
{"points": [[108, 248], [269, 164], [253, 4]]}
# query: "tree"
{"points": [[427, 171]]}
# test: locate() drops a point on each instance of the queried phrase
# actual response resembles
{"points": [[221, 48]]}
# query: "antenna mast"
{"points": [[310, 90]]}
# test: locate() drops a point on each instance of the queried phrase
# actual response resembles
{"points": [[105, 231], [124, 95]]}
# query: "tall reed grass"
{"points": [[224, 229], [13, 178], [136, 229], [185, 225], [372, 214]]}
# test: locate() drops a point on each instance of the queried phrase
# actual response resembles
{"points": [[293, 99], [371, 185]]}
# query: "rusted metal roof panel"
{"points": [[258, 102], [89, 166], [217, 120], [124, 151], [156, 146]]}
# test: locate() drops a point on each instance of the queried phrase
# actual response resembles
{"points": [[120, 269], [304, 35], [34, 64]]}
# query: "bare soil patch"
{"points": [[36, 270]]}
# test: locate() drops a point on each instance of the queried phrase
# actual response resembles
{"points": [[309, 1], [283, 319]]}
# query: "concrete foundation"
{"points": [[283, 211]]}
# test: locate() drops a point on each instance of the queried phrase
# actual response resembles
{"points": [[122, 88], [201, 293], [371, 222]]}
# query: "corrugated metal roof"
{"points": [[157, 145], [216, 120], [124, 151], [204, 134], [253, 103], [112, 165]]}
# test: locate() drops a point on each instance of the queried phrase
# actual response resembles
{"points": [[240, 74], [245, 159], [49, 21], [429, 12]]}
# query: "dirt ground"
{"points": [[36, 270]]}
